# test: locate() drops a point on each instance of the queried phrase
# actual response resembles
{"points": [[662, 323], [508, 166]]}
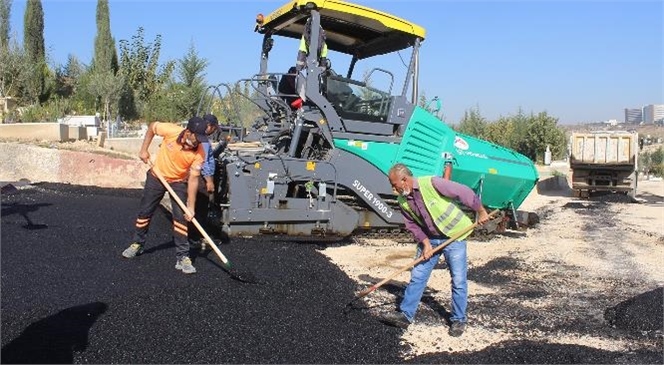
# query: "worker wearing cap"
{"points": [[180, 161], [206, 183], [432, 216]]}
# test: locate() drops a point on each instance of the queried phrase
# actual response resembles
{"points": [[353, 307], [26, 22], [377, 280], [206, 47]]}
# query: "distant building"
{"points": [[652, 113], [633, 115]]}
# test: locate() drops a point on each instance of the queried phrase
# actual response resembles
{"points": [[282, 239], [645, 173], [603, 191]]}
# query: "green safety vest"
{"points": [[447, 217]]}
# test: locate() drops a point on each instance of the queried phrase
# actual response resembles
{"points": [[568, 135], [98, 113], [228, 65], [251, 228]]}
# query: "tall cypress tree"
{"points": [[33, 44], [33, 31], [106, 57], [5, 12]]}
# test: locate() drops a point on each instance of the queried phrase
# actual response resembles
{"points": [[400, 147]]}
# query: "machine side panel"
{"points": [[368, 182]]}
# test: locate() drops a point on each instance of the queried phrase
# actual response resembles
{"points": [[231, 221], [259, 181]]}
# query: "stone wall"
{"points": [[35, 131], [40, 164]]}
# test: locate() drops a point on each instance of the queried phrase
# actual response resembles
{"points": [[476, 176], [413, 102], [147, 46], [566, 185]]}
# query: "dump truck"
{"points": [[314, 164], [604, 161]]}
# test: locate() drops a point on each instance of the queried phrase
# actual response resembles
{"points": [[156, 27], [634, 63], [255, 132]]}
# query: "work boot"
{"points": [[395, 319], [457, 328], [184, 264], [133, 250]]}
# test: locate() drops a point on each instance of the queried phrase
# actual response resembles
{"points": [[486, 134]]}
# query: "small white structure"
{"points": [[90, 122], [81, 120]]}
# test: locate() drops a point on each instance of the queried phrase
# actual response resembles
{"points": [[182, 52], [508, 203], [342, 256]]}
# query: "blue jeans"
{"points": [[456, 258]]}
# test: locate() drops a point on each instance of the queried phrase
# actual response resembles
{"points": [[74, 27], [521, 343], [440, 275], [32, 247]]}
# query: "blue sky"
{"points": [[581, 61]]}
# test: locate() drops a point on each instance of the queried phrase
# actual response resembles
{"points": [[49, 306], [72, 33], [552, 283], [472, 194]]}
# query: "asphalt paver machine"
{"points": [[315, 164]]}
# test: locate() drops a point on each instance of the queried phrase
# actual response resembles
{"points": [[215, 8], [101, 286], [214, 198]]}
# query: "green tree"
{"points": [[527, 134], [645, 161], [33, 44], [107, 87], [165, 104], [500, 132], [106, 57], [658, 162], [13, 70], [543, 131], [83, 101], [652, 163], [472, 123], [67, 77], [139, 65], [33, 33], [191, 73], [518, 139], [5, 26]]}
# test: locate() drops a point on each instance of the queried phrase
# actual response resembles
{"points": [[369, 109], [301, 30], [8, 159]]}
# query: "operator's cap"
{"points": [[211, 119], [198, 126]]}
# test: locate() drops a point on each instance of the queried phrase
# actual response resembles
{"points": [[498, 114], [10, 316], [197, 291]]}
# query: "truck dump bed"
{"points": [[619, 148], [604, 161]]}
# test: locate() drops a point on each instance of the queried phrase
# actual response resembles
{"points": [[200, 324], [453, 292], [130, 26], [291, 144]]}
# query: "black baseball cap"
{"points": [[198, 126], [211, 119]]}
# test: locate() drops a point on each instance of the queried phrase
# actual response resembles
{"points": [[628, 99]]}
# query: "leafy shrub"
{"points": [[652, 163]]}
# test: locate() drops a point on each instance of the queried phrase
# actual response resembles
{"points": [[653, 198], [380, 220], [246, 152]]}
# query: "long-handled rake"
{"points": [[226, 264], [372, 288]]}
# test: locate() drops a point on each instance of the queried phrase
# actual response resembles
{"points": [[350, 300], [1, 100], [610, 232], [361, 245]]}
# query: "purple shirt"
{"points": [[445, 188]]}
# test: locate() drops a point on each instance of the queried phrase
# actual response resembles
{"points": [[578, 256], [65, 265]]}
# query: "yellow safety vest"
{"points": [[304, 48], [447, 217]]}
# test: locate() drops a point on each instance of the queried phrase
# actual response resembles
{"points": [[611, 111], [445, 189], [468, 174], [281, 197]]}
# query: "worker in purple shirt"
{"points": [[432, 216], [205, 186]]}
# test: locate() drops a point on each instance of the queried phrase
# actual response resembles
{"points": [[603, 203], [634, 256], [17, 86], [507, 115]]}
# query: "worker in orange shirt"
{"points": [[180, 160]]}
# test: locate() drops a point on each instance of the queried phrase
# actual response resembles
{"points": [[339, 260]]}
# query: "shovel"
{"points": [[245, 277], [371, 289]]}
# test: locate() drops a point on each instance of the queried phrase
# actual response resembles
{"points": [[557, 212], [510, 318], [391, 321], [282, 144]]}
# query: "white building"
{"points": [[652, 113]]}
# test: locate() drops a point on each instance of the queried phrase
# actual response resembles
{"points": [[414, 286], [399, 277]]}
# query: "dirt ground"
{"points": [[551, 283]]}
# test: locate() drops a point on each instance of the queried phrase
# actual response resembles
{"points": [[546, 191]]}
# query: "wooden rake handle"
{"points": [[186, 210], [419, 259]]}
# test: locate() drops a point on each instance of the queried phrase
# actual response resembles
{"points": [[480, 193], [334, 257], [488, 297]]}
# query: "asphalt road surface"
{"points": [[69, 297]]}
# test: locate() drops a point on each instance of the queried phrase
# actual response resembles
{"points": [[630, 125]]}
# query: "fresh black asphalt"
{"points": [[69, 297]]}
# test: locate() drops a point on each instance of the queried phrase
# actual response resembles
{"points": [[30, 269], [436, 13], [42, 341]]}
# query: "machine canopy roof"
{"points": [[350, 28]]}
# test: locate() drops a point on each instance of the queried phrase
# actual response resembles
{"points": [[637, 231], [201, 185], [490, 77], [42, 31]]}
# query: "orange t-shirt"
{"points": [[175, 163]]}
